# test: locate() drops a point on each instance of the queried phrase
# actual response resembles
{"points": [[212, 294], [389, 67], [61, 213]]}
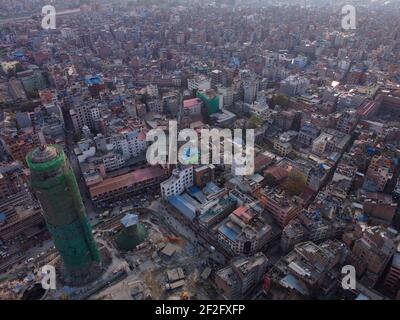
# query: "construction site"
{"points": [[154, 263]]}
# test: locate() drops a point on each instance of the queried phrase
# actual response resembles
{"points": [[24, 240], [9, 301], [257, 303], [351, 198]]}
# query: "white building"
{"points": [[227, 94], [283, 148], [180, 180], [81, 115], [152, 90], [192, 107], [86, 149], [294, 85], [321, 144], [112, 162], [200, 83], [250, 90], [155, 105], [130, 144]]}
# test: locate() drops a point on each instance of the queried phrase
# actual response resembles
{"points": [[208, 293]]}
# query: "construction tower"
{"points": [[54, 183], [133, 233]]}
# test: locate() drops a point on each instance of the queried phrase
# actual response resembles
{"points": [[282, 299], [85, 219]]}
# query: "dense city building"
{"points": [[89, 181]]}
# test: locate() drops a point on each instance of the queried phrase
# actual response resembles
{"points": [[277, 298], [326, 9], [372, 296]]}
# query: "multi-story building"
{"points": [[244, 274], [392, 279], [192, 107], [379, 208], [345, 174], [113, 162], [155, 105], [12, 178], [372, 251], [199, 83], [83, 115], [18, 146], [283, 207], [282, 148], [294, 86], [203, 175], [227, 95], [347, 121], [307, 134], [22, 218], [283, 145], [120, 187], [308, 271], [250, 88], [245, 231], [312, 226], [170, 102], [330, 141], [180, 180], [217, 78], [54, 183], [128, 142], [379, 173]]}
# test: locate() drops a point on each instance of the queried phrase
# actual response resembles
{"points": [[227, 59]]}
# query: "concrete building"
{"points": [[170, 103], [180, 180], [379, 173], [347, 121], [227, 95], [330, 141], [392, 279], [283, 207], [244, 274], [192, 107], [155, 105], [245, 231], [217, 78], [372, 251], [250, 88], [282, 148], [294, 86], [307, 134], [199, 83], [120, 187], [312, 226], [309, 271]]}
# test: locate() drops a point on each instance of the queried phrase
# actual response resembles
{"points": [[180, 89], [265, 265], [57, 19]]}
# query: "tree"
{"points": [[254, 122], [19, 68], [28, 106], [280, 99], [294, 184], [270, 180]]}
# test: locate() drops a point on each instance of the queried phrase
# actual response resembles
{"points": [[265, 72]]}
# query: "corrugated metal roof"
{"points": [[3, 217], [183, 206], [130, 220], [228, 232]]}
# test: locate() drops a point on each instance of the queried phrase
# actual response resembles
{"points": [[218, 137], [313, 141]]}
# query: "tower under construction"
{"points": [[133, 233], [54, 183]]}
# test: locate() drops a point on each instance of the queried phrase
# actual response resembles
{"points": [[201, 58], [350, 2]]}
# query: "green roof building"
{"points": [[211, 100], [54, 183], [132, 234]]}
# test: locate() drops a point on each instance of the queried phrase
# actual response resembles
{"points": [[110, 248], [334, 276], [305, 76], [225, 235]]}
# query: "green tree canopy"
{"points": [[254, 122]]}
